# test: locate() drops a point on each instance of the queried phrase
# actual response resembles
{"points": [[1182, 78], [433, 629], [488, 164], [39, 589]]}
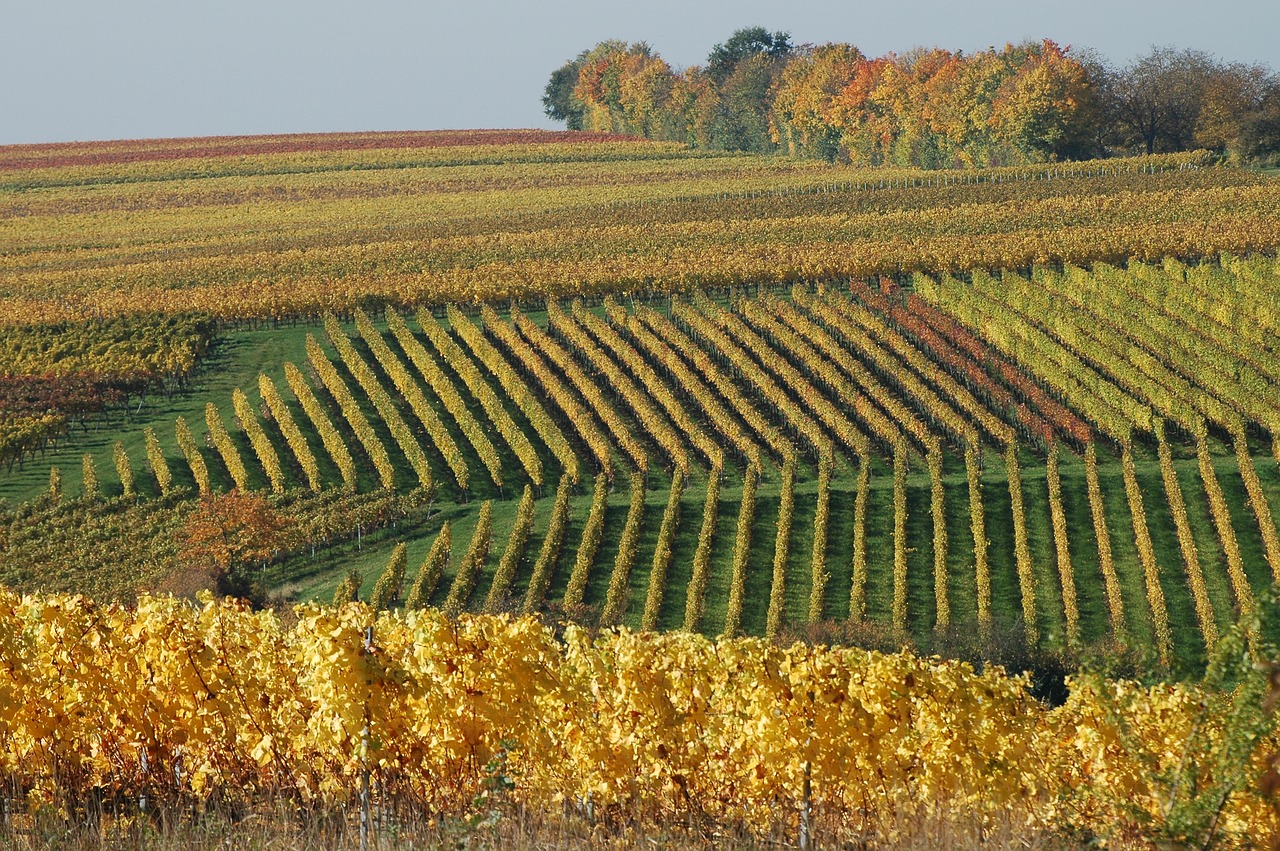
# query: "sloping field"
{"points": [[863, 422], [1029, 416]]}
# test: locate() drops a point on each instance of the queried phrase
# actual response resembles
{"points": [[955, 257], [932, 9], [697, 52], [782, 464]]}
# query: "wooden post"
{"points": [[142, 793], [806, 809], [365, 739]]}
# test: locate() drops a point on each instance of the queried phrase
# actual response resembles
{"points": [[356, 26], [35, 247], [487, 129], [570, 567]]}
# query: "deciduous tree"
{"points": [[229, 533]]}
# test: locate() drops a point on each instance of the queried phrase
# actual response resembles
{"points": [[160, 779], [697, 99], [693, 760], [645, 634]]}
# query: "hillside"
{"points": [[536, 409], [862, 359]]}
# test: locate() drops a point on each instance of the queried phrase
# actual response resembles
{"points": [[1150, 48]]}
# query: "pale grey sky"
{"points": [[113, 69]]}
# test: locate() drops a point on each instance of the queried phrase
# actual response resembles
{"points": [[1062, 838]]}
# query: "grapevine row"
{"points": [[431, 569], [637, 400], [730, 351], [1147, 556], [741, 554], [781, 551], [662, 555], [512, 554], [409, 390], [124, 469], [653, 385], [588, 546], [723, 421], [390, 415], [195, 460], [938, 509], [552, 544], [818, 559], [158, 463], [1257, 499], [858, 570], [258, 439], [512, 384], [1186, 542], [849, 396], [293, 436], [704, 365], [1021, 551], [472, 564], [333, 442], [555, 388], [225, 446], [1062, 549], [355, 418], [696, 601], [899, 612], [981, 544], [678, 726], [1222, 523], [1106, 561], [617, 597]]}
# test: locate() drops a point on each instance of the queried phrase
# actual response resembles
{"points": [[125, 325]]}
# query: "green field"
{"points": [[307, 574]]}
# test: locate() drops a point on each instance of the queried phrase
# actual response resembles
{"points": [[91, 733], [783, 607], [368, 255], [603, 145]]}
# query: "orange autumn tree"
{"points": [[960, 95], [802, 103], [936, 109], [863, 112], [625, 88], [228, 534], [1047, 108]]}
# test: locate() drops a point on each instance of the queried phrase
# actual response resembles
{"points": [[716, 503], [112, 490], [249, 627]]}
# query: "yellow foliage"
{"points": [[665, 721]]}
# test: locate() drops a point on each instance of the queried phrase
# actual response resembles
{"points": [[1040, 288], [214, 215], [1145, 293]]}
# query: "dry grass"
{"points": [[503, 827]]}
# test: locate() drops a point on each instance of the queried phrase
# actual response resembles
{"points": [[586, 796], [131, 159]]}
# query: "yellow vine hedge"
{"points": [[182, 699]]}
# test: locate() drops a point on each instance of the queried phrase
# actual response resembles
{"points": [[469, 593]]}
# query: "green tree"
{"points": [[742, 117], [1259, 138], [558, 101], [1047, 107], [744, 43]]}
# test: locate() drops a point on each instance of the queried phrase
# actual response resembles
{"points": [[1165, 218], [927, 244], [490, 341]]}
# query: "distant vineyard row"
{"points": [[53, 377], [96, 154], [279, 236]]}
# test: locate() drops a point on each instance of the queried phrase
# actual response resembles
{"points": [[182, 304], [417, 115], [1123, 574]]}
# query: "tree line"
{"points": [[931, 108]]}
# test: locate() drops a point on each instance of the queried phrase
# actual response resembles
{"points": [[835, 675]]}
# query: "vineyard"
{"points": [[792, 458], [151, 702], [1003, 413]]}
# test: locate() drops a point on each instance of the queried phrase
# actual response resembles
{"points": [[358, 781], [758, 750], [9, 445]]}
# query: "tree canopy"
{"points": [[744, 44], [933, 108]]}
